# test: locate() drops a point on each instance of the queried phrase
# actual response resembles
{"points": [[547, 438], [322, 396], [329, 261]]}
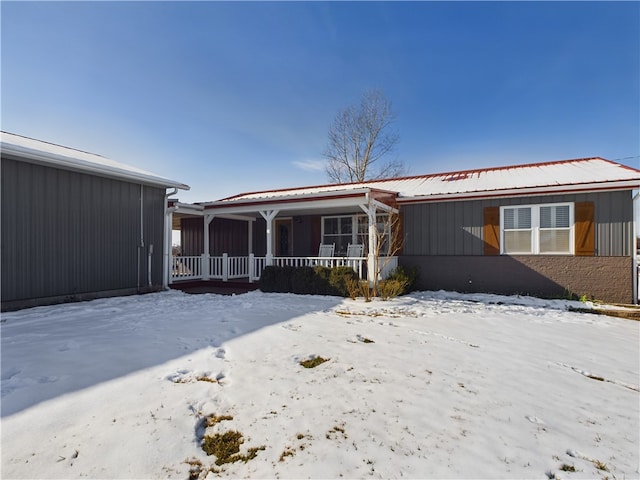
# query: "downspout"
{"points": [[141, 244], [167, 249]]}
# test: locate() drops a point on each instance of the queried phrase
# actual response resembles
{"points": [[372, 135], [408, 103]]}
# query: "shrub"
{"points": [[391, 288], [276, 279], [338, 278], [302, 279], [307, 280], [406, 276], [354, 287]]}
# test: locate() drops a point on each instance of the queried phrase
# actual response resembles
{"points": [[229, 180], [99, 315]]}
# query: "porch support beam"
{"points": [[167, 256], [269, 215], [208, 218], [372, 258]]}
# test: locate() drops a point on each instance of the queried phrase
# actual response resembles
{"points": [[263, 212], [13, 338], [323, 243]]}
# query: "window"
{"points": [[517, 230], [537, 229], [338, 230], [341, 231]]}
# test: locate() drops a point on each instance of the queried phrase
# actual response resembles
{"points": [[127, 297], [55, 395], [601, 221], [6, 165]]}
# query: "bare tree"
{"points": [[359, 137]]}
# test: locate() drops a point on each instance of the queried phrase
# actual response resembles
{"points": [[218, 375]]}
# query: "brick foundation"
{"points": [[609, 279]]}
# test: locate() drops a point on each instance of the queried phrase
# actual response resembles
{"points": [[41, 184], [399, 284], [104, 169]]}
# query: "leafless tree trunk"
{"points": [[389, 243], [359, 137]]}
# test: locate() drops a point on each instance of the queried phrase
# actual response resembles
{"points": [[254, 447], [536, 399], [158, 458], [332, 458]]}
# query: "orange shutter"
{"points": [[585, 230], [492, 231]]}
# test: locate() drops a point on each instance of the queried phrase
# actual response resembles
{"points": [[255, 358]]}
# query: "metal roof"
{"points": [[38, 151], [584, 174]]}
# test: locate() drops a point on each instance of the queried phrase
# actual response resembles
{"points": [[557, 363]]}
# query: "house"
{"points": [[550, 229], [76, 225]]}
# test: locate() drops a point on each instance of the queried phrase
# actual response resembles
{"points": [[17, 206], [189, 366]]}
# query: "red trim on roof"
{"points": [[530, 191]]}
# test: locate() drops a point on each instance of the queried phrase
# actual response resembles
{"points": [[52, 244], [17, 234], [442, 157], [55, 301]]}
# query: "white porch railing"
{"points": [[250, 267], [186, 268]]}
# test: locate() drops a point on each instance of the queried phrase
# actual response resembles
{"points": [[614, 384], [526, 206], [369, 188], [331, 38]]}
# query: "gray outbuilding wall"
{"points": [[69, 235]]}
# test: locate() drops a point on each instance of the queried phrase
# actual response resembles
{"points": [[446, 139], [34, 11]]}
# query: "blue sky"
{"points": [[236, 97]]}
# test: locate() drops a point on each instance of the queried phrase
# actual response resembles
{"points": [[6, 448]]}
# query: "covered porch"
{"points": [[235, 239]]}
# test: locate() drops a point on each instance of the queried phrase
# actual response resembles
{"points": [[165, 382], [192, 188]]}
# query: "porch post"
{"points": [[204, 266], [269, 215], [250, 230], [372, 259]]}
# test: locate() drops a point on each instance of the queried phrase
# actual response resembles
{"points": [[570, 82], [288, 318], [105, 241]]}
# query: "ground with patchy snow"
{"points": [[431, 385]]}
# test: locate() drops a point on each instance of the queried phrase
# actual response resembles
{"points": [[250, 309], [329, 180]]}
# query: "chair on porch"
{"points": [[326, 250], [354, 257], [355, 250]]}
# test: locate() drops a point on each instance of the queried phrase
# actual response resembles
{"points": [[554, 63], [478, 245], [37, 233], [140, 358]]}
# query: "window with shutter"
{"points": [[546, 229]]}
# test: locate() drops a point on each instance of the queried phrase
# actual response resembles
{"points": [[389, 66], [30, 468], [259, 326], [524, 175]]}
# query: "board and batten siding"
{"points": [[67, 233], [457, 228]]}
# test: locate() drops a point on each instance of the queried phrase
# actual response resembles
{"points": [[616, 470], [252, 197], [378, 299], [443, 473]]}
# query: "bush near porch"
{"points": [[340, 281], [307, 280]]}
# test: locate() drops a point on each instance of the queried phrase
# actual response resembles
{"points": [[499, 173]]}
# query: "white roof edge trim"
{"points": [[299, 205], [292, 197], [517, 192], [187, 208], [76, 164]]}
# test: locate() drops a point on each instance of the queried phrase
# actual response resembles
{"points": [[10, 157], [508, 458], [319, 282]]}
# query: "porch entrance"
{"points": [[284, 237]]}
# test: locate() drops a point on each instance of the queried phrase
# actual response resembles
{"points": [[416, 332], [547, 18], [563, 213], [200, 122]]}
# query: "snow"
{"points": [[567, 174], [430, 385], [65, 157]]}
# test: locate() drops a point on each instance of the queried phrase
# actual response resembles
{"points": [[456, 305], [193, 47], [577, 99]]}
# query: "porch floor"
{"points": [[215, 286]]}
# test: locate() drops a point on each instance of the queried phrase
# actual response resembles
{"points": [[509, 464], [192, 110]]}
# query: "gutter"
{"points": [[93, 167]]}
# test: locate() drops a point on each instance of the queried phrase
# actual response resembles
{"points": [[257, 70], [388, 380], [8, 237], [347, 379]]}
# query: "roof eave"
{"points": [[520, 192], [75, 164]]}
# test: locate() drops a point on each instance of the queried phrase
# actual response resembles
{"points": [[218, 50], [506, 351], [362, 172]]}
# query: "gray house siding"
{"points": [[225, 236], [67, 234], [445, 242], [456, 228]]}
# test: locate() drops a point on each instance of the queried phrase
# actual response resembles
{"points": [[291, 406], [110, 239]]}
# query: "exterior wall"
{"points": [[456, 228], [225, 236], [68, 235], [306, 235], [191, 236], [608, 279], [445, 241]]}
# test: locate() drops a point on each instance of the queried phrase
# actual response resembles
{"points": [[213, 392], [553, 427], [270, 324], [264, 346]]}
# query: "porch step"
{"points": [[214, 286]]}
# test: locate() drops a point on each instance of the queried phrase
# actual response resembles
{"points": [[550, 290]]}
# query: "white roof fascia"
{"points": [[97, 165], [294, 197], [187, 208], [319, 204], [519, 192]]}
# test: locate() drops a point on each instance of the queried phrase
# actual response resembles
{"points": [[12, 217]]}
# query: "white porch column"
{"points": [[269, 215], [250, 230], [204, 266], [372, 259]]}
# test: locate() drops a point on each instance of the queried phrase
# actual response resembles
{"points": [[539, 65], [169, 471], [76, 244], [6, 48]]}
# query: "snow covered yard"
{"points": [[432, 385]]}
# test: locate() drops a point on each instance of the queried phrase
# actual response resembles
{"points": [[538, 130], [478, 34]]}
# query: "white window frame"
{"points": [[357, 236], [535, 228]]}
